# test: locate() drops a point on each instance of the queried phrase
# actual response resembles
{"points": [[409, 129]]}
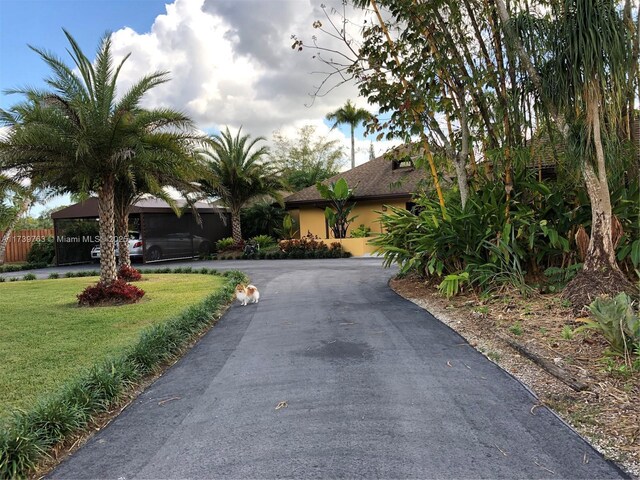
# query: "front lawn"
{"points": [[46, 339]]}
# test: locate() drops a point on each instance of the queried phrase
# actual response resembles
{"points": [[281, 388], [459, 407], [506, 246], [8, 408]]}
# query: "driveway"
{"points": [[374, 387]]}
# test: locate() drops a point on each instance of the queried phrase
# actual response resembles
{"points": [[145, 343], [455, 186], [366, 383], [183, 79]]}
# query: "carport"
{"points": [[164, 235]]}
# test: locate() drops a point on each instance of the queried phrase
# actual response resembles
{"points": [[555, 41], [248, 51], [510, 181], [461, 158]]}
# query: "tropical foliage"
{"points": [[499, 88], [339, 196], [537, 237], [79, 135], [237, 173], [262, 218], [304, 160], [616, 319]]}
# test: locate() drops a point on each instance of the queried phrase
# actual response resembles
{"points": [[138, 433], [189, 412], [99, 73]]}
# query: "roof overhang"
{"points": [[323, 203], [89, 209]]}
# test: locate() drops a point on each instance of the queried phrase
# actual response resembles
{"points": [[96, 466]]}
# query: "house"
{"points": [[163, 235], [389, 180]]}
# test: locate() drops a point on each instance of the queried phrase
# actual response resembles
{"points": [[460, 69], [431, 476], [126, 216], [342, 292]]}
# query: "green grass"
{"points": [[46, 339]]}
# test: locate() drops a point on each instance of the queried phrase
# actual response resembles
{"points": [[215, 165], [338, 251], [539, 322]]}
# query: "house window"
{"points": [[413, 207], [405, 162]]}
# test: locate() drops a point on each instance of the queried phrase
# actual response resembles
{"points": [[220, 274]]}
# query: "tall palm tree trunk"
{"points": [[108, 272], [601, 252], [122, 232], [600, 273], [4, 240], [353, 148], [236, 230]]}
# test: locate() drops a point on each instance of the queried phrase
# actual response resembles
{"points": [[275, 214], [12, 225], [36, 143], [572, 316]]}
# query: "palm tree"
{"points": [[167, 160], [583, 88], [20, 199], [352, 116], [588, 86], [78, 136], [237, 175]]}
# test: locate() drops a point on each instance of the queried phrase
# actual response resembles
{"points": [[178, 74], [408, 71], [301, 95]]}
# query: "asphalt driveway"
{"points": [[374, 387]]}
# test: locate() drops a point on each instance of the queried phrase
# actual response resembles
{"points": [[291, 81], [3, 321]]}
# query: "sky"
{"points": [[230, 61]]}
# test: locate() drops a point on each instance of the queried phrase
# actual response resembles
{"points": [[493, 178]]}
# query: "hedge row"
{"points": [[96, 273], [25, 266], [26, 438], [294, 254]]}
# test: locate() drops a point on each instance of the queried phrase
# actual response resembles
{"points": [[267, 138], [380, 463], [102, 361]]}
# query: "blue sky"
{"points": [[230, 61], [40, 23]]}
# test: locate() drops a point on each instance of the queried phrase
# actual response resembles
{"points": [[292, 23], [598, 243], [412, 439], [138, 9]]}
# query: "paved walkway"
{"points": [[374, 388]]}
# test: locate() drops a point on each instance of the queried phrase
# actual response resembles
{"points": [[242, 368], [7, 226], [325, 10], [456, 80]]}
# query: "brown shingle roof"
{"points": [[375, 179], [89, 208]]}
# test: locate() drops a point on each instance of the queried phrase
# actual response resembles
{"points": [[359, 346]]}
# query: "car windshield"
{"points": [[134, 235]]}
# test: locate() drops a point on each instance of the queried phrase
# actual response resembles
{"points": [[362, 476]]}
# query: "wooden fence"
{"points": [[20, 243]]}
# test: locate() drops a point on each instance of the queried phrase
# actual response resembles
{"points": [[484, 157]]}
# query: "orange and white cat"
{"points": [[248, 294]]}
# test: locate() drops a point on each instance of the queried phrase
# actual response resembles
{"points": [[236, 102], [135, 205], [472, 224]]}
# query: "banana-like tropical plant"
{"points": [[339, 195]]}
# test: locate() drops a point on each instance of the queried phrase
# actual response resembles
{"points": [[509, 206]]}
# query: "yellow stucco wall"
{"points": [[312, 220]]}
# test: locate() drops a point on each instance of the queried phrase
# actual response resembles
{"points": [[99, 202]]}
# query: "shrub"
{"points": [[42, 252], [128, 273], [11, 268], [54, 275], [224, 244], [115, 293], [29, 276], [263, 241], [480, 238], [361, 231], [617, 321], [262, 218], [306, 243]]}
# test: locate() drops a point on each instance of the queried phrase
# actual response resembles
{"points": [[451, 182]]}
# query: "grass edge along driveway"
{"points": [[27, 437]]}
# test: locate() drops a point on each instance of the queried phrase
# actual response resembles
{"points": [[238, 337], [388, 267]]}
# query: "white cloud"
{"points": [[231, 64]]}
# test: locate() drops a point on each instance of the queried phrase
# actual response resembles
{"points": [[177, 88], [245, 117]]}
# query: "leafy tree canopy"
{"points": [[306, 158]]}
